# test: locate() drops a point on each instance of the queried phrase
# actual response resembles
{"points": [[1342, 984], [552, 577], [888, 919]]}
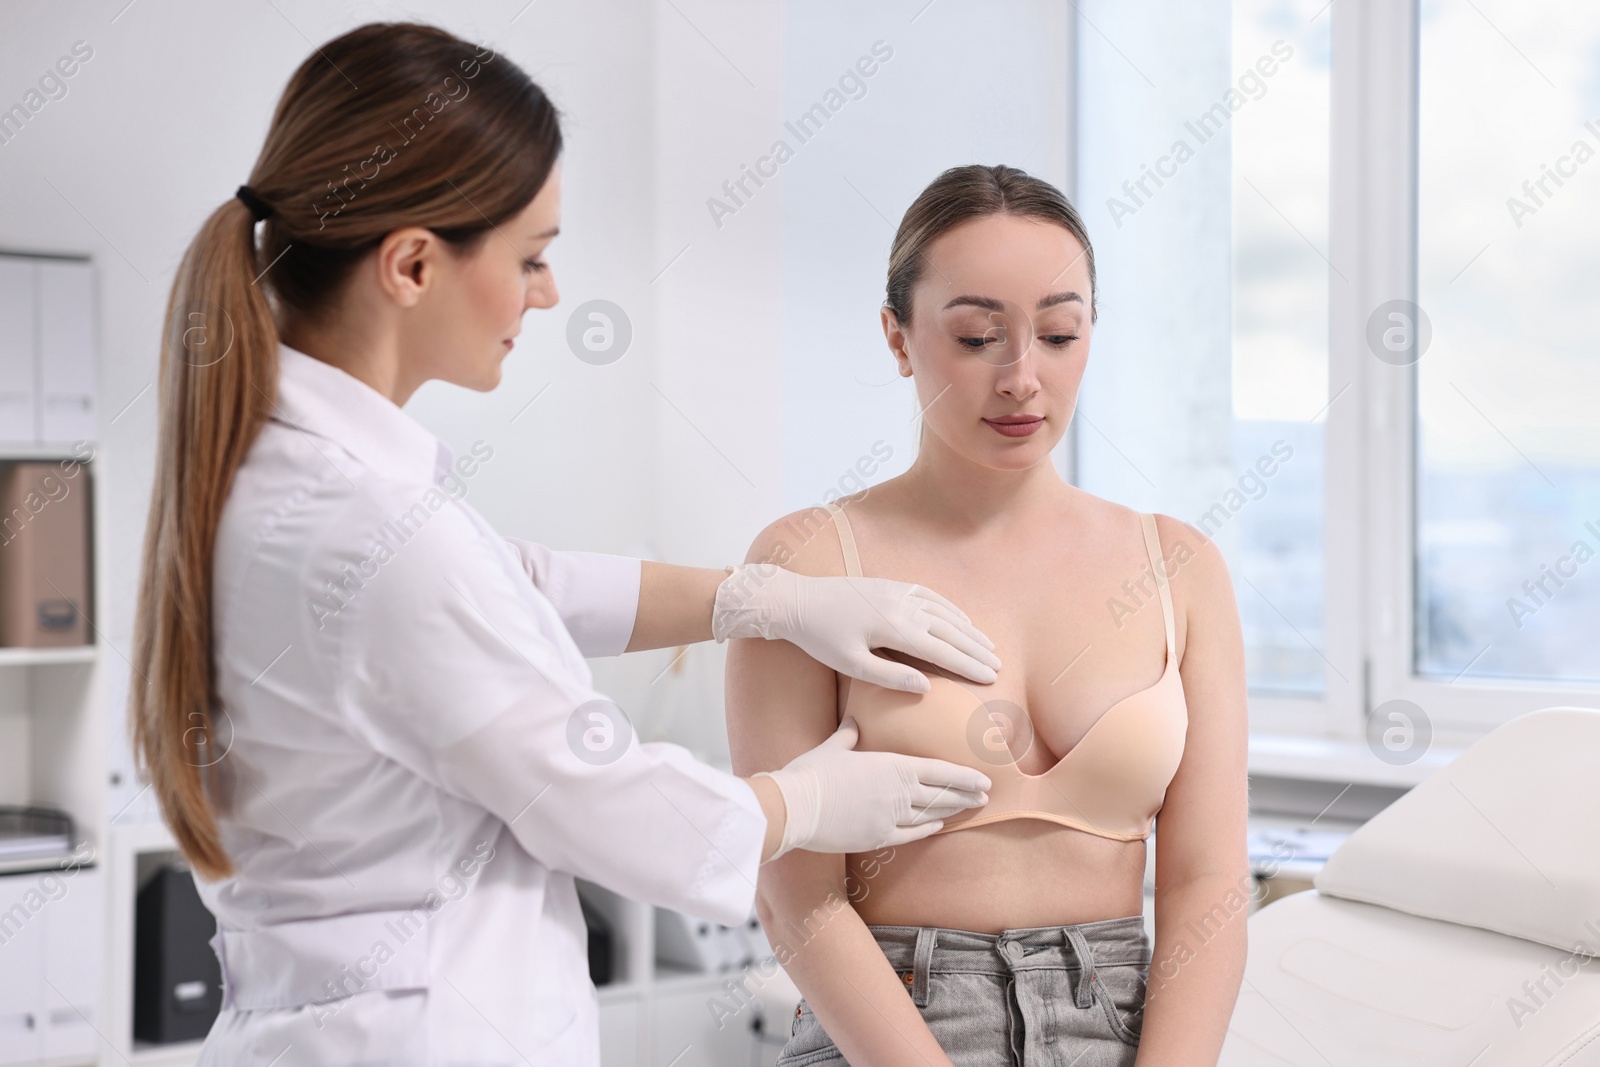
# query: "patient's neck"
{"points": [[953, 490]]}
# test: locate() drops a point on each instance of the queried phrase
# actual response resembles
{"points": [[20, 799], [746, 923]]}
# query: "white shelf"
{"points": [[178, 1054], [1324, 759], [55, 861], [11, 451], [40, 657], [620, 990]]}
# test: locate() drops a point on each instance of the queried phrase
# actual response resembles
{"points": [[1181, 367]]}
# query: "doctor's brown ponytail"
{"points": [[390, 125]]}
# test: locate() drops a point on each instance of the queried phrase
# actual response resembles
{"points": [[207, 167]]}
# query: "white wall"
{"points": [[742, 394], [961, 86], [771, 343]]}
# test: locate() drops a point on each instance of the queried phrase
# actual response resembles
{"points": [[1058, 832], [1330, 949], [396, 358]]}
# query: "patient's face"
{"points": [[999, 329]]}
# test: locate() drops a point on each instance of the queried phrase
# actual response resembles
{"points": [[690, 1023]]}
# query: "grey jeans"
{"points": [[1057, 995]]}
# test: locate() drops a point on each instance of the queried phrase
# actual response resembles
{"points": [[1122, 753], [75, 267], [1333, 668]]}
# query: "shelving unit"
{"points": [[52, 753], [134, 852], [53, 720]]}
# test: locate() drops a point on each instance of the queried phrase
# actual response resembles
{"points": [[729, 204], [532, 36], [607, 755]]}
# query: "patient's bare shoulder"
{"points": [[804, 541]]}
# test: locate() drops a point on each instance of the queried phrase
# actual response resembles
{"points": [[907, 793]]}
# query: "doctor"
{"points": [[367, 716]]}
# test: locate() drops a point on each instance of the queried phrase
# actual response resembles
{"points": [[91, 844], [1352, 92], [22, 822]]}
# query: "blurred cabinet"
{"points": [[47, 350], [50, 953]]}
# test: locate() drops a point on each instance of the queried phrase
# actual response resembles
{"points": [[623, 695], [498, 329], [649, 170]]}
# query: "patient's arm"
{"points": [[1202, 868], [782, 703]]}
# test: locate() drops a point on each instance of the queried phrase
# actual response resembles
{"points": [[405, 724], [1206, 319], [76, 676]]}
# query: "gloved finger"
{"points": [[885, 672], [928, 594], [939, 607], [944, 774], [924, 795], [936, 802], [846, 736], [904, 835], [952, 649], [933, 631], [959, 636]]}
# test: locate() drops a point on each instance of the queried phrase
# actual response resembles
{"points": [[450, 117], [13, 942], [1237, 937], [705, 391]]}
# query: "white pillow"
{"points": [[1505, 838]]}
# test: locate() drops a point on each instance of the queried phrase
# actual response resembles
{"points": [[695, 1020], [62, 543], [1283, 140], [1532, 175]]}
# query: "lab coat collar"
{"points": [[321, 399]]}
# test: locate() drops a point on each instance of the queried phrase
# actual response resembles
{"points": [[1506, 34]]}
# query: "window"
{"points": [[1360, 234], [1203, 176], [1508, 432]]}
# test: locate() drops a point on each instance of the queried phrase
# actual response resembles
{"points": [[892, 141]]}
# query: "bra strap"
{"points": [[847, 541], [1152, 545]]}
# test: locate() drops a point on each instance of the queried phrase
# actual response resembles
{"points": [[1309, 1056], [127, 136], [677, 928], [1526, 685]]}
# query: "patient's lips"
{"points": [[1016, 425]]}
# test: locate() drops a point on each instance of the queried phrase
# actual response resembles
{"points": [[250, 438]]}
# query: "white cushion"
{"points": [[1505, 838], [1334, 983]]}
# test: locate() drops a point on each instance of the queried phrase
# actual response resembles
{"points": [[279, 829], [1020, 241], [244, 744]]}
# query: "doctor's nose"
{"points": [[543, 293]]}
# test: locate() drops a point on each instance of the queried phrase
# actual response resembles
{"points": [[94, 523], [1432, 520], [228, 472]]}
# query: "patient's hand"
{"points": [[840, 620]]}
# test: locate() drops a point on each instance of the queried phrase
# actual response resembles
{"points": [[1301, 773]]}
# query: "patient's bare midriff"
{"points": [[1004, 876]]}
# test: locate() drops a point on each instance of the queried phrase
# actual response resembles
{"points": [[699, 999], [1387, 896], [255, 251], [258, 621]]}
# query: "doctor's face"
{"points": [[998, 338], [480, 297]]}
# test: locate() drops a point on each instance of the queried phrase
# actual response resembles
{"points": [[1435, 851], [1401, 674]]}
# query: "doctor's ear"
{"points": [[895, 334], [406, 260]]}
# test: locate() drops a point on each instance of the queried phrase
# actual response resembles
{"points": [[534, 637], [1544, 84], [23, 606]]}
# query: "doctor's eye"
{"points": [[1059, 340], [535, 264]]}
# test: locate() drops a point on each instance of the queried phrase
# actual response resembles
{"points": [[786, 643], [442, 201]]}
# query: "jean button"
{"points": [[1013, 950]]}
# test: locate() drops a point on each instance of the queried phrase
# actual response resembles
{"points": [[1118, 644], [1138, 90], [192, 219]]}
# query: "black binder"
{"points": [[177, 982]]}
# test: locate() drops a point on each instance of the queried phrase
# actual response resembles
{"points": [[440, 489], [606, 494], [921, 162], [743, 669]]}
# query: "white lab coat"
{"points": [[404, 790]]}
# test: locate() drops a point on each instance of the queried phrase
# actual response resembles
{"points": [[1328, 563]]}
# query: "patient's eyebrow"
{"points": [[989, 303], [1058, 298]]}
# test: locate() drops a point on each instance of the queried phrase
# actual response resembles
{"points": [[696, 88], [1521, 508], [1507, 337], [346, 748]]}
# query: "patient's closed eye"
{"points": [[1058, 340]]}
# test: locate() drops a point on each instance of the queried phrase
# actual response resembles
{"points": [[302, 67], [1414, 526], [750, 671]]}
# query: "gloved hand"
{"points": [[840, 800], [838, 621]]}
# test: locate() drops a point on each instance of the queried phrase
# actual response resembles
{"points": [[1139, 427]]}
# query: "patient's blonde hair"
{"points": [[961, 194]]}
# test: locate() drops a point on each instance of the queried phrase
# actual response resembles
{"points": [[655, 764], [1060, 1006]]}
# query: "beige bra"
{"points": [[1112, 782]]}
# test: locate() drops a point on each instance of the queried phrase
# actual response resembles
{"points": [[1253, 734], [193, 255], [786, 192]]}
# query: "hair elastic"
{"points": [[259, 209]]}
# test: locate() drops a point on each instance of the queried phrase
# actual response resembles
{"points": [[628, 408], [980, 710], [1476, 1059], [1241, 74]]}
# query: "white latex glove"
{"points": [[840, 800], [838, 621]]}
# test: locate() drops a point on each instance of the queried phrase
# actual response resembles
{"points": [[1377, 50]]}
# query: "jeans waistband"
{"points": [[917, 951]]}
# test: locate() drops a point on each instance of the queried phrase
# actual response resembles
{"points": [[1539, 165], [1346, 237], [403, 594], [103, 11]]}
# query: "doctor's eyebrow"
{"points": [[989, 303]]}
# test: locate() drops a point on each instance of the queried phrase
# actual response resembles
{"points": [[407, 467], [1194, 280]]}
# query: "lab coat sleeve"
{"points": [[459, 675], [596, 593]]}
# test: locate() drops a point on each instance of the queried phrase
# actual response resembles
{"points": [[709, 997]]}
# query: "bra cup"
{"points": [[1117, 776], [931, 724], [1111, 783]]}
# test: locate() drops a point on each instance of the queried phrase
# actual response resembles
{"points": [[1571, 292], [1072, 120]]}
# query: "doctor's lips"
{"points": [[1016, 425]]}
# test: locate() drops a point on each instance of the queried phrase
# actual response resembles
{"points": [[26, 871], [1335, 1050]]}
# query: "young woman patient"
{"points": [[1015, 933]]}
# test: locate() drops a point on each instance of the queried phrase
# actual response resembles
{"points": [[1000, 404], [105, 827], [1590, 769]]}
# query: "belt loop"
{"points": [[1083, 993], [927, 936]]}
